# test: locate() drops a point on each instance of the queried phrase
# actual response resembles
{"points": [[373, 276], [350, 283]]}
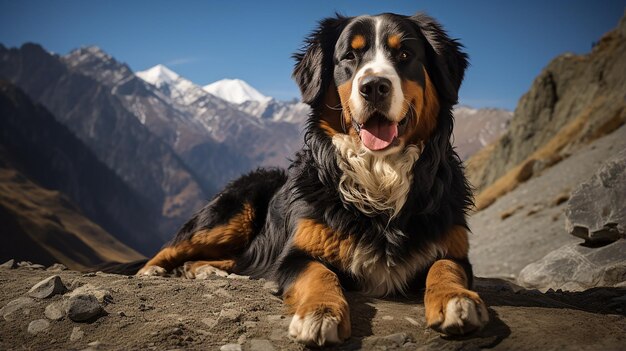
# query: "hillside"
{"points": [[100, 120], [575, 100], [46, 152], [46, 227]]}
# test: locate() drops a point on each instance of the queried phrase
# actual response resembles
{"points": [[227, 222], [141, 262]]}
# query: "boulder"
{"points": [[575, 268], [596, 210]]}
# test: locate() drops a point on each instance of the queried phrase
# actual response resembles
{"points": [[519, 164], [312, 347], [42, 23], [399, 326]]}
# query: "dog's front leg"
{"points": [[321, 314], [451, 307]]}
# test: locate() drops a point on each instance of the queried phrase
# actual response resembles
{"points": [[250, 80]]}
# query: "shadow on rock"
{"points": [[603, 300]]}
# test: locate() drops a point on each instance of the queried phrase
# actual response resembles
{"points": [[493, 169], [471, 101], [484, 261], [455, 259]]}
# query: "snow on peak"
{"points": [[158, 75], [235, 91]]}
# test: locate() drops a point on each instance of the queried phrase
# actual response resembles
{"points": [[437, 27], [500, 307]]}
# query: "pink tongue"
{"points": [[378, 133]]}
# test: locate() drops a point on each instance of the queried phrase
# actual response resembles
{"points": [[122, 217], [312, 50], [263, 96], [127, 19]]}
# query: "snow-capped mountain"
{"points": [[262, 142], [235, 91]]}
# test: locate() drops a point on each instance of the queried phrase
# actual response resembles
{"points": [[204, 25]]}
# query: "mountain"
{"points": [[235, 91], [255, 141], [53, 191], [476, 128], [574, 100], [115, 135]]}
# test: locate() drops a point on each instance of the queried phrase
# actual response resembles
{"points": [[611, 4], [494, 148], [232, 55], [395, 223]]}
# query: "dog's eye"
{"points": [[349, 56], [404, 55]]}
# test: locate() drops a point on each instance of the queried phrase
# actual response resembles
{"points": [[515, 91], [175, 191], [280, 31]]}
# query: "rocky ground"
{"points": [[104, 311], [526, 224]]}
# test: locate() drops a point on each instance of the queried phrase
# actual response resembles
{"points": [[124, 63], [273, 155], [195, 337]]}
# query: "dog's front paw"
{"points": [[320, 326], [456, 314], [152, 271]]}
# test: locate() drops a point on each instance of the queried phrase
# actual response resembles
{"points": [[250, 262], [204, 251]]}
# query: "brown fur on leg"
{"points": [[321, 314], [218, 243], [451, 307]]}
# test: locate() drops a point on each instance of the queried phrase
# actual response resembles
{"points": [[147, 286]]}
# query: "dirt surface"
{"points": [[174, 313]]}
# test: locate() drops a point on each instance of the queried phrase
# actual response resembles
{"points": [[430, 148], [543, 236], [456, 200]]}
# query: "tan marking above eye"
{"points": [[358, 42], [394, 41]]}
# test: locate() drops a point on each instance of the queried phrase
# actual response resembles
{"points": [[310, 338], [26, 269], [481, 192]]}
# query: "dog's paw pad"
{"points": [[463, 315], [152, 271], [315, 329]]}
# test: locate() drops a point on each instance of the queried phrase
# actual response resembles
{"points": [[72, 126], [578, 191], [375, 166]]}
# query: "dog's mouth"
{"points": [[378, 133]]}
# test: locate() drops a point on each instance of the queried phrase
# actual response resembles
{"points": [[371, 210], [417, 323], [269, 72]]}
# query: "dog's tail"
{"points": [[128, 268]]}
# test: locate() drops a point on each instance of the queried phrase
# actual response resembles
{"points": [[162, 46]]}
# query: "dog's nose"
{"points": [[375, 89]]}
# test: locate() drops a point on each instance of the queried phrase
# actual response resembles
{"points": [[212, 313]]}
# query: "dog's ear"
{"points": [[314, 63], [446, 62]]}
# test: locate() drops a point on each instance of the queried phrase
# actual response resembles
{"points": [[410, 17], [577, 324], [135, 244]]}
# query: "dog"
{"points": [[376, 199]]}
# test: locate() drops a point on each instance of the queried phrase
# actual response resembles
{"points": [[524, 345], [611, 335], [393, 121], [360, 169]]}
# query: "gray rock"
{"points": [[229, 315], [102, 295], [82, 308], [57, 267], [230, 347], [210, 322], [574, 267], [37, 326], [48, 287], [398, 338], [30, 265], [10, 264], [55, 311], [261, 345], [8, 311], [77, 334], [596, 210]]}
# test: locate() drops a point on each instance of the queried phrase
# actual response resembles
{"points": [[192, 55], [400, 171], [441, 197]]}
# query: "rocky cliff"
{"points": [[575, 99]]}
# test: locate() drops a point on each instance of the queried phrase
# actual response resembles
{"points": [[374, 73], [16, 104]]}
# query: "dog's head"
{"points": [[381, 79]]}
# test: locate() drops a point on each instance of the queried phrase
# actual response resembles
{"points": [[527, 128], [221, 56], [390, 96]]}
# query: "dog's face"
{"points": [[382, 82], [389, 75]]}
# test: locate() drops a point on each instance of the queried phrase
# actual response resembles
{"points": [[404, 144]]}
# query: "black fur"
{"points": [[438, 199]]}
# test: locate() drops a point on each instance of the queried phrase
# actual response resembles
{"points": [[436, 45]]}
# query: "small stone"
{"points": [[24, 264], [250, 324], [230, 315], [177, 331], [398, 338], [10, 264], [38, 326], [230, 347], [239, 277], [223, 293], [36, 266], [77, 334], [13, 306], [261, 345], [48, 287], [54, 311], [82, 308], [271, 286], [94, 344], [210, 322], [121, 314], [413, 321], [57, 267], [102, 295]]}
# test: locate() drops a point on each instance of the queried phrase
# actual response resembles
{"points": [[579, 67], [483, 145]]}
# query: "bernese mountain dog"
{"points": [[375, 201]]}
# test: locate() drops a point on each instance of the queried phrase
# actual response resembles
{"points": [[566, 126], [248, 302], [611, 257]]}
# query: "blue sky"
{"points": [[509, 42]]}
